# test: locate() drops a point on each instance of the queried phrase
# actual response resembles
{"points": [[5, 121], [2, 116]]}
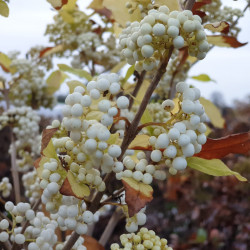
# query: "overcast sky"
{"points": [[230, 68]]}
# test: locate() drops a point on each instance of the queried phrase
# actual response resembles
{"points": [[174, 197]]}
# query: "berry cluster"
{"points": [[144, 239], [25, 124], [145, 42], [183, 135], [5, 187], [77, 246], [143, 7], [138, 219], [139, 171]]}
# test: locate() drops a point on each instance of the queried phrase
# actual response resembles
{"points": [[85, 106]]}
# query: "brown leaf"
{"points": [[37, 161], [138, 195], [92, 244], [63, 3], [224, 41], [222, 27], [198, 5], [199, 13], [51, 50], [218, 148], [46, 136]]}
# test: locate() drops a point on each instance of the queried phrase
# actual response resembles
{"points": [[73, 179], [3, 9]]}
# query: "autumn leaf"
{"points": [[4, 9], [73, 84], [213, 113], [140, 141], [51, 50], [224, 41], [5, 63], [213, 167], [91, 243], [57, 5], [218, 148], [71, 187], [203, 78], [138, 195], [46, 137], [54, 81], [222, 27], [79, 72], [198, 5]]}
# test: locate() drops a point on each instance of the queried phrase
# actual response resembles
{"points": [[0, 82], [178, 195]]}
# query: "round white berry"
{"points": [[179, 163], [88, 217], [147, 51], [122, 102], [156, 155], [114, 150], [170, 151]]}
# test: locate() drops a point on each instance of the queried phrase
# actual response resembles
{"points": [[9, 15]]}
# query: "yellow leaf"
{"points": [[224, 41], [96, 5], [66, 16], [146, 117], [51, 50], [118, 66], [73, 84], [4, 9], [203, 78], [218, 27], [94, 115], [213, 113], [117, 29], [113, 139], [172, 4], [50, 151], [40, 168], [78, 72], [213, 167], [176, 106], [54, 81], [71, 187], [140, 141], [120, 12], [5, 63], [70, 5], [142, 90]]}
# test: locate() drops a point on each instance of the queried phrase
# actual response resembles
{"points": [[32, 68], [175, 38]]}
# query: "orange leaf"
{"points": [[51, 50], [222, 27], [224, 41], [218, 148], [92, 244], [138, 195], [46, 136]]}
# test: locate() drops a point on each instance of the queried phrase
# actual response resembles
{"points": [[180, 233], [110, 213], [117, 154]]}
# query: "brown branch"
{"points": [[137, 88], [189, 4]]}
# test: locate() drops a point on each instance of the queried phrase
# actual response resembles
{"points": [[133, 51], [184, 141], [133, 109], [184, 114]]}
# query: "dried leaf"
{"points": [[54, 81], [222, 27], [71, 187], [51, 50], [78, 72], [225, 41], [218, 148], [91, 243], [46, 136], [203, 78], [198, 5], [4, 9], [213, 167], [213, 113], [138, 195]]}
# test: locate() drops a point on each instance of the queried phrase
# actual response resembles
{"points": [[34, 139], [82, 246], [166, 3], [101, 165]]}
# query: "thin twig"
{"points": [[137, 88], [189, 5], [117, 215], [110, 198]]}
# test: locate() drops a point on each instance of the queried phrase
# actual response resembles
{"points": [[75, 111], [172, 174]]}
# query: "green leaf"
{"points": [[213, 167], [118, 66], [203, 78], [213, 113], [73, 84], [146, 117], [4, 9], [129, 73], [54, 81], [79, 72]]}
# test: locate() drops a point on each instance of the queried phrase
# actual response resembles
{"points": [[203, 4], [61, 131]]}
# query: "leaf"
{"points": [[142, 91], [218, 148], [140, 141], [56, 4], [5, 63], [39, 165], [129, 73], [50, 151], [222, 27], [113, 139], [213, 113], [46, 137], [71, 187], [91, 243], [54, 81], [138, 195], [94, 115], [78, 72], [203, 78], [213, 167], [118, 66], [73, 84], [146, 117], [120, 12], [4, 9], [198, 5], [172, 4], [51, 50], [224, 41]]}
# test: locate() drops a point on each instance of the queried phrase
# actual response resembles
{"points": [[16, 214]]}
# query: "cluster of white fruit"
{"points": [[144, 239], [25, 123], [184, 135], [5, 187], [138, 219], [77, 246], [31, 183], [139, 171], [144, 42], [143, 7], [29, 87]]}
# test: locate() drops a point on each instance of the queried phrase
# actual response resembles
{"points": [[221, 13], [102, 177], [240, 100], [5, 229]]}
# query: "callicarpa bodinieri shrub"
{"points": [[116, 140]]}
